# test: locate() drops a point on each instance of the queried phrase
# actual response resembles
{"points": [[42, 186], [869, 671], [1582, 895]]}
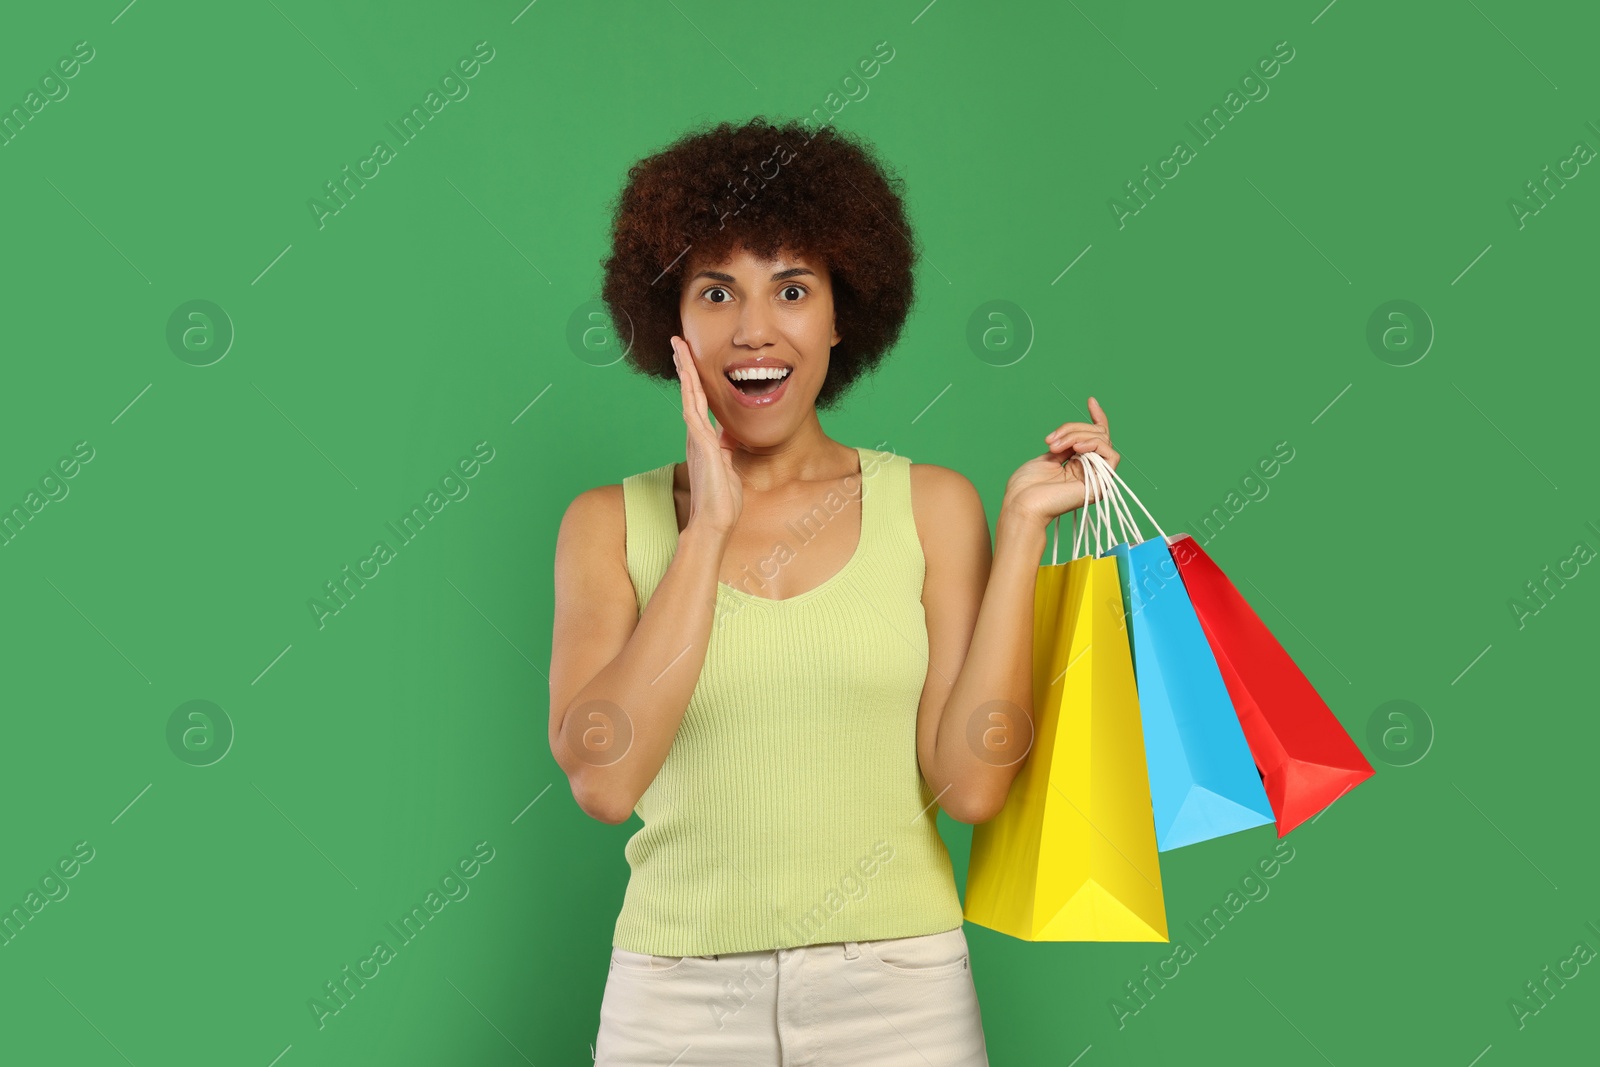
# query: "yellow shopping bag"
{"points": [[1072, 855]]}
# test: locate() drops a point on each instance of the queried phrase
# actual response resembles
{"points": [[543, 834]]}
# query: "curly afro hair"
{"points": [[765, 188]]}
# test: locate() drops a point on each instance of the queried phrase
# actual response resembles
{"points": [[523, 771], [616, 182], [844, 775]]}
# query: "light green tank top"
{"points": [[791, 809]]}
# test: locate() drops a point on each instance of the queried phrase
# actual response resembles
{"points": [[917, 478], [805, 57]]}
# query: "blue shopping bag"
{"points": [[1203, 779]]}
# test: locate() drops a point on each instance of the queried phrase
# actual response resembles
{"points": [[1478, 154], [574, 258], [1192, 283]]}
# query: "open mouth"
{"points": [[758, 381]]}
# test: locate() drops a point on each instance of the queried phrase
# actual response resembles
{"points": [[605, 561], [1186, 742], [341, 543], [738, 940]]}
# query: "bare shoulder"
{"points": [[595, 608], [593, 504], [948, 510], [931, 482], [593, 527]]}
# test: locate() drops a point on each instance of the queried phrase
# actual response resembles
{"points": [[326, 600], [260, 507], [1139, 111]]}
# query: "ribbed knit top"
{"points": [[790, 809]]}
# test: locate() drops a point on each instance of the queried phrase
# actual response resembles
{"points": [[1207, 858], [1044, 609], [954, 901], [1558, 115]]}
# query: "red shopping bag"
{"points": [[1306, 759]]}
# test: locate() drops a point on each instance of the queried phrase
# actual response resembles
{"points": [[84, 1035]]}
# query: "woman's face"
{"points": [[769, 323]]}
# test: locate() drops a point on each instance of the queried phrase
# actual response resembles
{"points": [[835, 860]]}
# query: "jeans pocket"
{"points": [[643, 963], [922, 956]]}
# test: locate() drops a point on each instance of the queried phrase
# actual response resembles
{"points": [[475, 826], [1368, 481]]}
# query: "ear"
{"points": [[834, 343]]}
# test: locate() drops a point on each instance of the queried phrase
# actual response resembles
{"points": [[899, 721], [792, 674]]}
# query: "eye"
{"points": [[717, 289], [797, 289]]}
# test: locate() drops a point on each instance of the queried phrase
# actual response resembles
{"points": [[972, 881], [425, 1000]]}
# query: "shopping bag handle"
{"points": [[1113, 487], [1103, 493], [1120, 487], [1123, 513], [1080, 523], [1079, 535], [1100, 488], [1094, 491], [1080, 518]]}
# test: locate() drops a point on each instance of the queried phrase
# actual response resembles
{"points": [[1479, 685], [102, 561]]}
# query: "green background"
{"points": [[368, 755]]}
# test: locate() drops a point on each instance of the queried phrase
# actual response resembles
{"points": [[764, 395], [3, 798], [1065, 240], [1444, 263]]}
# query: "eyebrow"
{"points": [[718, 276]]}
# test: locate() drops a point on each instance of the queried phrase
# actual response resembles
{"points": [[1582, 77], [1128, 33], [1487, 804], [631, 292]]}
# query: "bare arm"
{"points": [[975, 721], [975, 725], [621, 681]]}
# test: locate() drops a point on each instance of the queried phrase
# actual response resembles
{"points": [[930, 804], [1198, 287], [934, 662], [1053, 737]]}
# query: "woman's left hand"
{"points": [[1052, 484]]}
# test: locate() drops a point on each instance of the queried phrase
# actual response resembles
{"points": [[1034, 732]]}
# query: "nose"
{"points": [[755, 328]]}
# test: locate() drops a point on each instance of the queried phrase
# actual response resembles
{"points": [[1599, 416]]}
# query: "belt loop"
{"points": [[851, 949]]}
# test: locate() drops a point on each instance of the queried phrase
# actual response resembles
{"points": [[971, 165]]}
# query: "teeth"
{"points": [[745, 374]]}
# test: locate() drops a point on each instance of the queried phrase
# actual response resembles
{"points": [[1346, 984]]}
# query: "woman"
{"points": [[785, 652]]}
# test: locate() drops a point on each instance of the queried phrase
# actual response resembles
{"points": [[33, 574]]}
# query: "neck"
{"points": [[807, 455]]}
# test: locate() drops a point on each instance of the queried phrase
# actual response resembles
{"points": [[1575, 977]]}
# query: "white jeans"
{"points": [[905, 1000]]}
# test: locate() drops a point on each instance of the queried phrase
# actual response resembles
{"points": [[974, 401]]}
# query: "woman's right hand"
{"points": [[716, 495]]}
